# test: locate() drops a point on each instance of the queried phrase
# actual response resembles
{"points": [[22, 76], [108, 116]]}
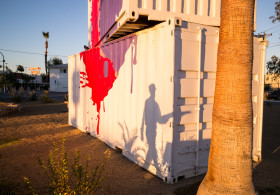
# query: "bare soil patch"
{"points": [[30, 133]]}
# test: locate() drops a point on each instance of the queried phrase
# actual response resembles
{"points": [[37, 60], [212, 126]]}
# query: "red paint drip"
{"points": [[95, 16], [94, 65]]}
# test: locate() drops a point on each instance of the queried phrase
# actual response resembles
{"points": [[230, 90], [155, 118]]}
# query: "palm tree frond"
{"points": [[46, 34]]}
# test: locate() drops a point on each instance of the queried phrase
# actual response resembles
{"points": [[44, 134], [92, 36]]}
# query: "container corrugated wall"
{"points": [[114, 13], [195, 74], [136, 116], [194, 96], [260, 45], [198, 11], [159, 110]]}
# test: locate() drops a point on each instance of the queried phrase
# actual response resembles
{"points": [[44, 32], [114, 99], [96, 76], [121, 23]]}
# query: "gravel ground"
{"points": [[29, 134]]}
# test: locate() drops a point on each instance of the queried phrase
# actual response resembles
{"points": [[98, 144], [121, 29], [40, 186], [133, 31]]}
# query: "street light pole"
{"points": [[3, 73]]}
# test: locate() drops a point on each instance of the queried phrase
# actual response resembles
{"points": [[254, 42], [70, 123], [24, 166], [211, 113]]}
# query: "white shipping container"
{"points": [[120, 17], [158, 106]]}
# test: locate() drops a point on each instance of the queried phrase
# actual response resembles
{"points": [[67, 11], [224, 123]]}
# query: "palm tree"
{"points": [[20, 68], [46, 35], [230, 159]]}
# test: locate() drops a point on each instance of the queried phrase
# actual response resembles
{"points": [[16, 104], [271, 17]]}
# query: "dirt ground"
{"points": [[30, 133]]}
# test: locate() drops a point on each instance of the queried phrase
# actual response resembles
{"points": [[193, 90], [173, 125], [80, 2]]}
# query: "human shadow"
{"points": [[151, 117]]}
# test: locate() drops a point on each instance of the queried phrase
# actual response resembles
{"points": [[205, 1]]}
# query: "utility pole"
{"points": [[264, 35], [3, 73]]}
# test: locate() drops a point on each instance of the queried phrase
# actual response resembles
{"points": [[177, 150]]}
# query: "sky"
{"points": [[23, 21], [265, 9]]}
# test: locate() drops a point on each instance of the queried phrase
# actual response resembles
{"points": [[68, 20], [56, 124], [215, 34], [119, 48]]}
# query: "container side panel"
{"points": [[71, 91], [137, 113], [257, 94], [197, 60], [114, 13], [193, 114]]}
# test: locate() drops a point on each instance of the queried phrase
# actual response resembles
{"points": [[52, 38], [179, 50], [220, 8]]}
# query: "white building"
{"points": [[59, 78]]}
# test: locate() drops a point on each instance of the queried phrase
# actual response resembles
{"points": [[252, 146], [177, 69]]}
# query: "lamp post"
{"points": [[3, 72]]}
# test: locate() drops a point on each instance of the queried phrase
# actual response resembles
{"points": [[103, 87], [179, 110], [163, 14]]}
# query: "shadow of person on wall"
{"points": [[151, 117]]}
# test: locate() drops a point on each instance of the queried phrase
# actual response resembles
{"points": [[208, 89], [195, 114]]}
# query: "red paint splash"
{"points": [[94, 77], [99, 84]]}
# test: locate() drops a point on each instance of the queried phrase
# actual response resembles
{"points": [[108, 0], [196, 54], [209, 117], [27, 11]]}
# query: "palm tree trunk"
{"points": [[230, 159], [46, 61]]}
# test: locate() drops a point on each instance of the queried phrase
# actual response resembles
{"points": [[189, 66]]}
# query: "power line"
{"points": [[30, 53], [275, 31], [270, 44], [273, 46], [271, 28]]}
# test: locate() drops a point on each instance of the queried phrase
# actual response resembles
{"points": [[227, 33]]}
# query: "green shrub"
{"points": [[65, 178]]}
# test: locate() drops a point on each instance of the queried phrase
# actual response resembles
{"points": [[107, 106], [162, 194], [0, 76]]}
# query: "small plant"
{"points": [[46, 98], [66, 97], [16, 96], [33, 96], [65, 178]]}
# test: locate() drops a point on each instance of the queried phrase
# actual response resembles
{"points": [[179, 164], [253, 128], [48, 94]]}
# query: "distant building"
{"points": [[59, 78], [37, 79]]}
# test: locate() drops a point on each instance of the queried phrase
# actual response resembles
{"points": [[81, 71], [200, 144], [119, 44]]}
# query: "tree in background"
{"points": [[230, 158], [44, 78], [20, 68], [55, 61], [26, 78], [273, 68], [276, 17], [10, 78]]}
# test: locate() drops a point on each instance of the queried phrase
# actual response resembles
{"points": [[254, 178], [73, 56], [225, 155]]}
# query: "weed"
{"points": [[66, 97], [7, 141], [46, 98], [65, 178], [33, 96], [15, 96]]}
